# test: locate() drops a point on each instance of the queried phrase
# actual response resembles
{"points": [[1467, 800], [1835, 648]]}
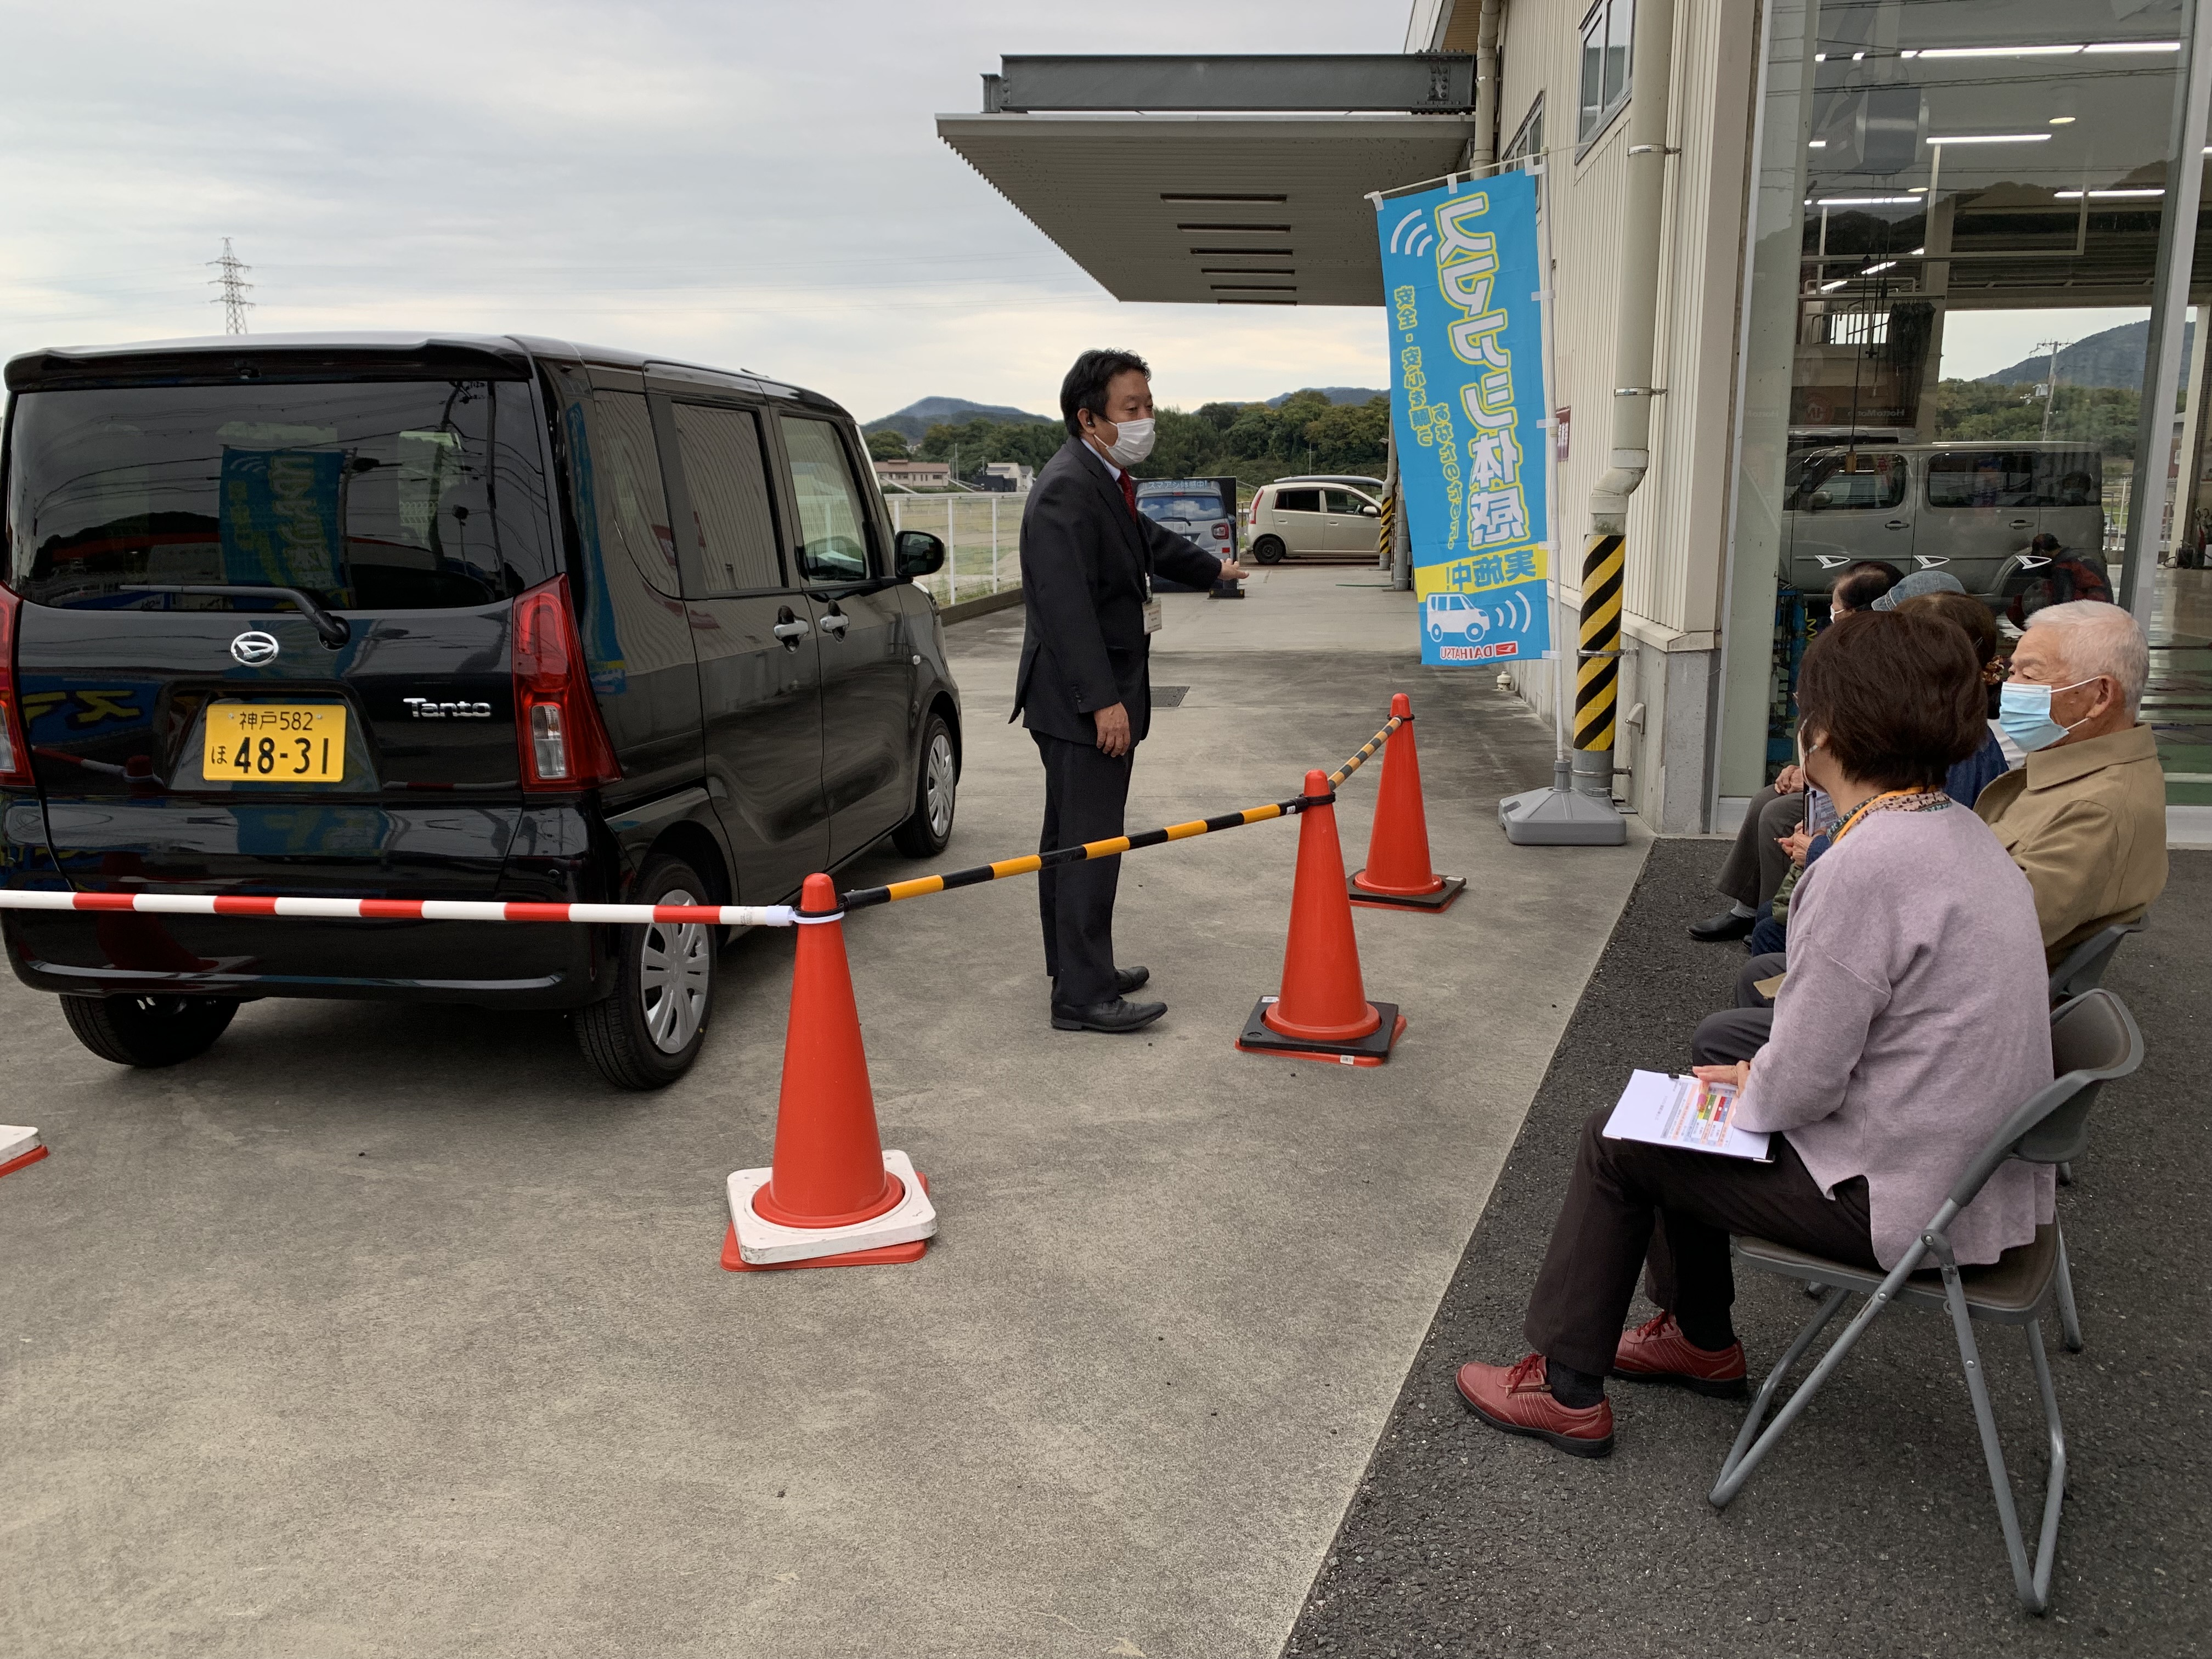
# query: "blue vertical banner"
{"points": [[1461, 272]]}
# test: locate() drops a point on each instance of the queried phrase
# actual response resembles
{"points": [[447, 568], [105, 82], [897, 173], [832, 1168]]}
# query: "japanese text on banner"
{"points": [[1460, 265]]}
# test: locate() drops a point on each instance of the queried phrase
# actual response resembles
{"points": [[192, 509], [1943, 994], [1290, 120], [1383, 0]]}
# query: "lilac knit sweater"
{"points": [[1915, 1018]]}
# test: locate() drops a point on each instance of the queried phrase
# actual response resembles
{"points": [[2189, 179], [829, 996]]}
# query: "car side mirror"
{"points": [[918, 554], [1820, 498], [1371, 512]]}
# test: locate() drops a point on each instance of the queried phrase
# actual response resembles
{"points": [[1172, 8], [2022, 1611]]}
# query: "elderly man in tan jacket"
{"points": [[2086, 817]]}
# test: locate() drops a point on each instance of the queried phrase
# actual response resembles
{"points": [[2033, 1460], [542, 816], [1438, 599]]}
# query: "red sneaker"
{"points": [[1518, 1400], [1657, 1352]]}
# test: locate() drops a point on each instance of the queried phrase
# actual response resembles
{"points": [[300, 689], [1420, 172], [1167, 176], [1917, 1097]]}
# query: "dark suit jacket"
{"points": [[1085, 562]]}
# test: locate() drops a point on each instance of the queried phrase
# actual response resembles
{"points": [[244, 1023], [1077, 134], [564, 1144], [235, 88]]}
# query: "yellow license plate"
{"points": [[275, 743]]}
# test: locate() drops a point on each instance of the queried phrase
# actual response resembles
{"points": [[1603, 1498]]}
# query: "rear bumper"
{"points": [[561, 853], [513, 965]]}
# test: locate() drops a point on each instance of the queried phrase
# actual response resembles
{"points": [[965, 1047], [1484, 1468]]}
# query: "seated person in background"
{"points": [[2085, 819], [2085, 816], [1975, 773], [1913, 1023], [1756, 866], [2067, 577]]}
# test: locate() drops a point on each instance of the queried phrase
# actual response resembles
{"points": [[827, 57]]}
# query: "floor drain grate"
{"points": [[1169, 696]]}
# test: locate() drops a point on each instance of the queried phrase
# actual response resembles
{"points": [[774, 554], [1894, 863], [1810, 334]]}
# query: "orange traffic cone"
{"points": [[833, 1197], [1323, 1012], [1398, 876]]}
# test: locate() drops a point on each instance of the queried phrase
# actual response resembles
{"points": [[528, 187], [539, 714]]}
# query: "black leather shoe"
{"points": [[1723, 925], [1119, 1015], [1127, 979]]}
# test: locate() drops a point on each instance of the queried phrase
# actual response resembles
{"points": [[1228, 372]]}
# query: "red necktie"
{"points": [[1129, 493]]}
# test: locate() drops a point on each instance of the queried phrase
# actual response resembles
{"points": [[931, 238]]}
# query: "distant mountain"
{"points": [[917, 418], [1335, 394], [2114, 358]]}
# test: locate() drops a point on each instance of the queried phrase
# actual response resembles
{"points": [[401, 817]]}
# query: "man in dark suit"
{"points": [[1085, 686]]}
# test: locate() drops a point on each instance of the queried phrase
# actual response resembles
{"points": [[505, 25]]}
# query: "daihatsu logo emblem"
{"points": [[254, 648]]}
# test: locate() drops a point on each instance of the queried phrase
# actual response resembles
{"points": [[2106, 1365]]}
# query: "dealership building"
{"points": [[1765, 219]]}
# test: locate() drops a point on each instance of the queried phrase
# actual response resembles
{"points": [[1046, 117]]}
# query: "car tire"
{"points": [[936, 795], [648, 1033], [1436, 633], [148, 1032], [1269, 549]]}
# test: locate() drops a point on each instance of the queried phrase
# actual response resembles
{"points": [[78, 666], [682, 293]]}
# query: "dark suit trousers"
{"points": [[1740, 1032], [1084, 793], [1755, 864], [1669, 1212]]}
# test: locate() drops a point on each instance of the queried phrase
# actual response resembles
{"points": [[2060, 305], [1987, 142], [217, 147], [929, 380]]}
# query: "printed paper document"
{"points": [[1682, 1111]]}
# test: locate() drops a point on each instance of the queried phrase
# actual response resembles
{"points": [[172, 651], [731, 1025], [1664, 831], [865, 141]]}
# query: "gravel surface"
{"points": [[1871, 1530]]}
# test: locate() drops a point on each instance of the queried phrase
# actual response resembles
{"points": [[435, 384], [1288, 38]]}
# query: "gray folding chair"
{"points": [[2093, 1040], [2084, 970], [2085, 964]]}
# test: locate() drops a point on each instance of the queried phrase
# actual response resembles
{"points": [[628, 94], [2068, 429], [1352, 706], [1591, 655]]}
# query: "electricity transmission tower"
{"points": [[235, 288]]}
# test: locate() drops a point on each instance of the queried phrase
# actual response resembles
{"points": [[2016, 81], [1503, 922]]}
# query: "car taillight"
{"points": [[14, 751], [1221, 530], [556, 721], [1255, 518]]}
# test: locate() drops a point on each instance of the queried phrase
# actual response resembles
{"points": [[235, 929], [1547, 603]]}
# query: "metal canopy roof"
{"points": [[1231, 210]]}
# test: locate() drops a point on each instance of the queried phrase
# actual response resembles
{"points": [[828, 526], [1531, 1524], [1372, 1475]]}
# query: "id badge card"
{"points": [[1153, 621]]}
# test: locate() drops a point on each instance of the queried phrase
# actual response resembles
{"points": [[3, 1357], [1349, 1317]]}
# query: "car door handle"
{"points": [[837, 622], [1898, 524], [788, 631]]}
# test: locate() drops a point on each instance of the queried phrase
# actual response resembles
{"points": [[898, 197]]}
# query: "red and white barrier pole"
{"points": [[373, 910]]}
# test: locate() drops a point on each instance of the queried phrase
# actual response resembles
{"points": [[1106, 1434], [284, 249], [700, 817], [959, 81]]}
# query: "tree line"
{"points": [[2102, 418], [1253, 442]]}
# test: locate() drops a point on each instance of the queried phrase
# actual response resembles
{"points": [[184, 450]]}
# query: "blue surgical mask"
{"points": [[2024, 712]]}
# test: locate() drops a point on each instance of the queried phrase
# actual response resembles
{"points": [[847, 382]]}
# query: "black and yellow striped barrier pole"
{"points": [[861, 897], [1597, 671]]}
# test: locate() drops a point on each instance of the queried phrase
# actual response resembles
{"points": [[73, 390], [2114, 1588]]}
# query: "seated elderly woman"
{"points": [[1914, 1019]]}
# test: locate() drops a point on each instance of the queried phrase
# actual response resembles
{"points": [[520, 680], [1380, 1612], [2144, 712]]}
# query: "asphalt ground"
{"points": [[386, 1330], [1871, 1529]]}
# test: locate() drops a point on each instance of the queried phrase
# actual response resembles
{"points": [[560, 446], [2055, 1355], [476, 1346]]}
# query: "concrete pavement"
{"points": [[382, 1331]]}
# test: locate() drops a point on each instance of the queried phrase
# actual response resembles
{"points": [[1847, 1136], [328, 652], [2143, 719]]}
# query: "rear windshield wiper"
{"points": [[333, 628]]}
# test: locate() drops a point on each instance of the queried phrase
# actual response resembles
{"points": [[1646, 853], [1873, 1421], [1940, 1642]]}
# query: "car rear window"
{"points": [[1180, 506], [368, 495]]}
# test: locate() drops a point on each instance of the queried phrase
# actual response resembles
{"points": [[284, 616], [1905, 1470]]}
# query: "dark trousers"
{"points": [[1631, 1206], [1755, 864], [1084, 793], [1740, 1032]]}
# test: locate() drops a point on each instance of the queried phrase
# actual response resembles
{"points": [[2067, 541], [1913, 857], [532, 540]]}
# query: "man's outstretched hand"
{"points": [[1232, 571], [1113, 723]]}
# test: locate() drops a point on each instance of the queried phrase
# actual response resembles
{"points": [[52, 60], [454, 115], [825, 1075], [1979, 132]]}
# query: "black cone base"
{"points": [[1432, 902], [1259, 1038]]}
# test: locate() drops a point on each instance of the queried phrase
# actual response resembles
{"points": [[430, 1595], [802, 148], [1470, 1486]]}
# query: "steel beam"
{"points": [[1419, 83]]}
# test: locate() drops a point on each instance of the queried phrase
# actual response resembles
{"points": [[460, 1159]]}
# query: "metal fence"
{"points": [[981, 535]]}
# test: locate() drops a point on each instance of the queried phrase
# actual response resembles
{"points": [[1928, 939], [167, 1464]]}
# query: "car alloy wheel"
{"points": [[939, 783], [675, 977]]}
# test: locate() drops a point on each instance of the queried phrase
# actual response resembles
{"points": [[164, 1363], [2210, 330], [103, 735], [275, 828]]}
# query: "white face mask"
{"points": [[1133, 445]]}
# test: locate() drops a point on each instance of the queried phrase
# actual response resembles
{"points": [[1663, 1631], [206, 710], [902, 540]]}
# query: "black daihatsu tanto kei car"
{"points": [[442, 617]]}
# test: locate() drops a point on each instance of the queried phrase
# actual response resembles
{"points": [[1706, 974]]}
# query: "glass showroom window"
{"points": [[1606, 35], [1956, 211]]}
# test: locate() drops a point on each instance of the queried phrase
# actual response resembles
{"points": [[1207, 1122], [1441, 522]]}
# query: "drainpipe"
{"points": [[1598, 671], [1488, 25]]}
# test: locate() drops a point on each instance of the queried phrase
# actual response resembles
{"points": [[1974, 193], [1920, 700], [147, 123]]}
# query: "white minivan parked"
{"points": [[1290, 520], [1967, 509]]}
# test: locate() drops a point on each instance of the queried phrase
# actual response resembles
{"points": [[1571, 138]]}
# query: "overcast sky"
{"points": [[739, 183]]}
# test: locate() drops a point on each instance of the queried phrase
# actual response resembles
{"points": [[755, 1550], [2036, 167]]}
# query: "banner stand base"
{"points": [[1561, 817]]}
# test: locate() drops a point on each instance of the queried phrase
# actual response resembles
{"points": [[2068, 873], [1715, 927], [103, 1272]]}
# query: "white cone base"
{"points": [[763, 1243]]}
